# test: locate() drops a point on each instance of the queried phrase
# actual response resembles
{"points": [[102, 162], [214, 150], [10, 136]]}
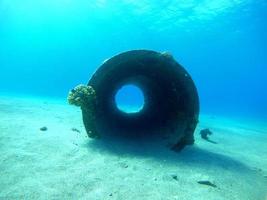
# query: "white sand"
{"points": [[63, 164]]}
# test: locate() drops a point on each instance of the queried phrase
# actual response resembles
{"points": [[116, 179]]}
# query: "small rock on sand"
{"points": [[44, 128], [174, 177]]}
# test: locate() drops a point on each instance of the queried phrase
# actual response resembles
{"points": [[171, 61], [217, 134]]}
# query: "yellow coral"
{"points": [[85, 97], [81, 95]]}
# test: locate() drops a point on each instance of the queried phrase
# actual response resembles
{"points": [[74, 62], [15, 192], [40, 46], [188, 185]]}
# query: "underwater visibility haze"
{"points": [[47, 47]]}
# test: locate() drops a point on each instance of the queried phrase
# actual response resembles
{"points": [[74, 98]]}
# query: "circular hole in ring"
{"points": [[130, 99]]}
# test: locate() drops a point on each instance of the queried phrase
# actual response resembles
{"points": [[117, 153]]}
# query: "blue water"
{"points": [[49, 46], [130, 98]]}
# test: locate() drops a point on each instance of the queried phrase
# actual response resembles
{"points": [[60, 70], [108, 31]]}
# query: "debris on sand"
{"points": [[208, 183], [175, 177], [76, 130], [44, 128], [123, 165], [205, 133]]}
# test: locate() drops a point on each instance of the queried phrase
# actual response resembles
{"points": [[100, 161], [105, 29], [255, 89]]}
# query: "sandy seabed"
{"points": [[63, 163]]}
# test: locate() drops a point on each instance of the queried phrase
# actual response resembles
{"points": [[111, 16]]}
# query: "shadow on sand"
{"points": [[190, 155]]}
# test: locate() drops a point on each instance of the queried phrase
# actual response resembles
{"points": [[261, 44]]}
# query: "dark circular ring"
{"points": [[171, 105]]}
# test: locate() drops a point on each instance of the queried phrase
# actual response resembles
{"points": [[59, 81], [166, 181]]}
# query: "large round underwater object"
{"points": [[171, 105]]}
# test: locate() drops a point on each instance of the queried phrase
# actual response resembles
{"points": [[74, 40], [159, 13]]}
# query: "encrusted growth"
{"points": [[81, 95], [85, 97]]}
